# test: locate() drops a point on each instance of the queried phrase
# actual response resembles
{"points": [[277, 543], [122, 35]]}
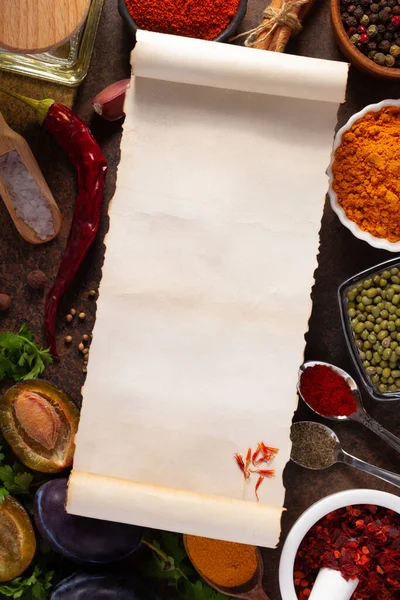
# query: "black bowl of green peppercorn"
{"points": [[370, 312]]}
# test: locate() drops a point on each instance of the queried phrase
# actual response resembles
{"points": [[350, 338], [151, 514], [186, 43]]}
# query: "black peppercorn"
{"points": [[345, 1], [378, 38], [390, 27], [365, 3], [396, 10], [371, 54], [351, 22], [374, 18], [392, 3], [381, 29], [371, 46], [384, 16], [384, 46], [345, 16], [388, 36], [375, 7], [352, 8], [358, 13]]}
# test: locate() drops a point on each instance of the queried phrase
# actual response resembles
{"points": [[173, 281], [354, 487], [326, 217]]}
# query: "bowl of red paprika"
{"points": [[367, 514], [215, 20]]}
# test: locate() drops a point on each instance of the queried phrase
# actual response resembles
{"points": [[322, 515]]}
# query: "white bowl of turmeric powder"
{"points": [[364, 175]]}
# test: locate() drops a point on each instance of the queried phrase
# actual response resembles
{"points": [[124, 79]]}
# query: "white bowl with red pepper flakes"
{"points": [[377, 242], [359, 500]]}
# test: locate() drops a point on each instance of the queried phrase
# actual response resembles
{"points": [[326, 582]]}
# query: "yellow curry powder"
{"points": [[226, 564], [366, 173]]}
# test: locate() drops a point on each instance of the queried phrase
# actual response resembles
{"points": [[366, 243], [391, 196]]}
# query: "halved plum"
{"points": [[17, 539], [40, 421], [84, 586], [83, 540]]}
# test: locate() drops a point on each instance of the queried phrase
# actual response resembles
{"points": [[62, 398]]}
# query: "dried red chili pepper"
{"points": [[85, 154], [362, 542]]}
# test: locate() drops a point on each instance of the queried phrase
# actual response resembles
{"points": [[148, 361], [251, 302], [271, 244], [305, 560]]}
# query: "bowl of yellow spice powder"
{"points": [[364, 174]]}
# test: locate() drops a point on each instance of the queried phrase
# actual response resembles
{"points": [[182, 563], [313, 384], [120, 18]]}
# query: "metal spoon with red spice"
{"points": [[332, 393]]}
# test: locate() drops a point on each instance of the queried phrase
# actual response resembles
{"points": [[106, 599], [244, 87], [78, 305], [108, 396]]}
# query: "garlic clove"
{"points": [[109, 103]]}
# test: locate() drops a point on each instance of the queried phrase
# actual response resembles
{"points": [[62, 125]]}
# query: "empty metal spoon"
{"points": [[252, 590], [337, 454], [360, 415]]}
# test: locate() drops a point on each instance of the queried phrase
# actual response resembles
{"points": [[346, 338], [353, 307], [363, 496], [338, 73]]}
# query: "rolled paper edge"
{"points": [[182, 511]]}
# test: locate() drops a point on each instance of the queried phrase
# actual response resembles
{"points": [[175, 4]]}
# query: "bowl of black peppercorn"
{"points": [[368, 34]]}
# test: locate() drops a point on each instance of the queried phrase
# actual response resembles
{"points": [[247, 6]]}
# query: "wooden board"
{"points": [[38, 25]]}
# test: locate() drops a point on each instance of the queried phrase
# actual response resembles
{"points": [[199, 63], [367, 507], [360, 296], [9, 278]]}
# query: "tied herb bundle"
{"points": [[20, 357]]}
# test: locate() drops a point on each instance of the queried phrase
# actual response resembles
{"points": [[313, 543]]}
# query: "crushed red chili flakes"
{"points": [[262, 454], [359, 541]]}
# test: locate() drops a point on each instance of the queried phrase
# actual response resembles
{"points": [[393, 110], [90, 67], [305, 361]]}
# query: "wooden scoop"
{"points": [[39, 25], [252, 590], [9, 141]]}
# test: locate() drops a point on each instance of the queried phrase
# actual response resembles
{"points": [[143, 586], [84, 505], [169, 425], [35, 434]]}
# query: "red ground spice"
{"points": [[327, 392], [204, 19], [359, 541]]}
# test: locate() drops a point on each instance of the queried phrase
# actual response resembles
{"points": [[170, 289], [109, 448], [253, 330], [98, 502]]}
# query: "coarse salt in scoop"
{"points": [[24, 189]]}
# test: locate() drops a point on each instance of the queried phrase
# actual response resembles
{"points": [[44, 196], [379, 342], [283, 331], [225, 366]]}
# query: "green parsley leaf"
{"points": [[20, 357], [29, 587], [13, 478], [170, 562], [14, 481], [200, 591], [3, 494]]}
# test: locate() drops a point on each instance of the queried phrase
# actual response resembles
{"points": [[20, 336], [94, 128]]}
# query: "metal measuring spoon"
{"points": [[339, 455], [252, 590], [360, 415]]}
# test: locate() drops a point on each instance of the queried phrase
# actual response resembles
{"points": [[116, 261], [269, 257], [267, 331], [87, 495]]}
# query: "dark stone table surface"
{"points": [[340, 254]]}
